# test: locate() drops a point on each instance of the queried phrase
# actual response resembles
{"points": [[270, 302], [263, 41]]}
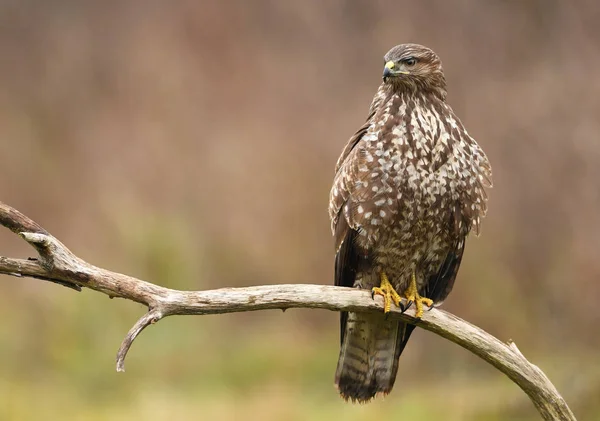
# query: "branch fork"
{"points": [[56, 263]]}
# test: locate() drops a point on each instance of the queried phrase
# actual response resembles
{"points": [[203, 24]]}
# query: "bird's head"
{"points": [[415, 68]]}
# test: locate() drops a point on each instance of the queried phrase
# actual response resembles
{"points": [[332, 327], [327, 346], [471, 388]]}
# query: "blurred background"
{"points": [[192, 144]]}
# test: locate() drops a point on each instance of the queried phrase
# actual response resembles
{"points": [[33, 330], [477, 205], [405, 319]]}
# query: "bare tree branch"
{"points": [[56, 263]]}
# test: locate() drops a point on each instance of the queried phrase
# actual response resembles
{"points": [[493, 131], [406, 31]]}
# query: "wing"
{"points": [[439, 286], [361, 191], [375, 103], [348, 258], [474, 160]]}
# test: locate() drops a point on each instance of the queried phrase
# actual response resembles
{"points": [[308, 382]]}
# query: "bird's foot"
{"points": [[389, 294], [412, 295]]}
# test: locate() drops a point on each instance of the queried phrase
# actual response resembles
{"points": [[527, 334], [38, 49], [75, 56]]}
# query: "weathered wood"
{"points": [[56, 263]]}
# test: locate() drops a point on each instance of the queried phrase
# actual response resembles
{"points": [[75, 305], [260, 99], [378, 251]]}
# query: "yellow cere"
{"points": [[390, 65]]}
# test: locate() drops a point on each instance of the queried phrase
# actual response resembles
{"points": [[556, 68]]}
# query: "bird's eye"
{"points": [[410, 61]]}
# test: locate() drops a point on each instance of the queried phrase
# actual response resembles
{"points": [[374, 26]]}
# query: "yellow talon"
{"points": [[412, 294], [387, 291]]}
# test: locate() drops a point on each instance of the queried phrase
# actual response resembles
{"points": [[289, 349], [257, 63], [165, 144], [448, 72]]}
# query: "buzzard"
{"points": [[408, 189]]}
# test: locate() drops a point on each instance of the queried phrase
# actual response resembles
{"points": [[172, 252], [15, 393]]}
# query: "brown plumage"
{"points": [[408, 189]]}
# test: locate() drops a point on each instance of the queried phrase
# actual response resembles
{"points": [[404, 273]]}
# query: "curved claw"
{"points": [[412, 295], [419, 303], [389, 294]]}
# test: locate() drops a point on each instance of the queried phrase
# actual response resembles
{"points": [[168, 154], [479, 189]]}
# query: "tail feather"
{"points": [[369, 354]]}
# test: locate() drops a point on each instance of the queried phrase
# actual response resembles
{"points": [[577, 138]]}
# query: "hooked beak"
{"points": [[391, 70]]}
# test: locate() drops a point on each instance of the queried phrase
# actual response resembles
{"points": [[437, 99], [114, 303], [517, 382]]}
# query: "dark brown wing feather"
{"points": [[340, 196], [346, 265], [439, 286], [347, 257]]}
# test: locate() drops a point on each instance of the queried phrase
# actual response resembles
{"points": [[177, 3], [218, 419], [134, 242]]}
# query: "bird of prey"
{"points": [[408, 189]]}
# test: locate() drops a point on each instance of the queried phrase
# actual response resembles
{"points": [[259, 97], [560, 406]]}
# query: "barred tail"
{"points": [[368, 363]]}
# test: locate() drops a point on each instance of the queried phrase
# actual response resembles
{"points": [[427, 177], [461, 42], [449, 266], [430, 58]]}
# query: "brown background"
{"points": [[192, 143]]}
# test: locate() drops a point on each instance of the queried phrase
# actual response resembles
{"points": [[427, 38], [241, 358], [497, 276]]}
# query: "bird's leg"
{"points": [[412, 295], [387, 291]]}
